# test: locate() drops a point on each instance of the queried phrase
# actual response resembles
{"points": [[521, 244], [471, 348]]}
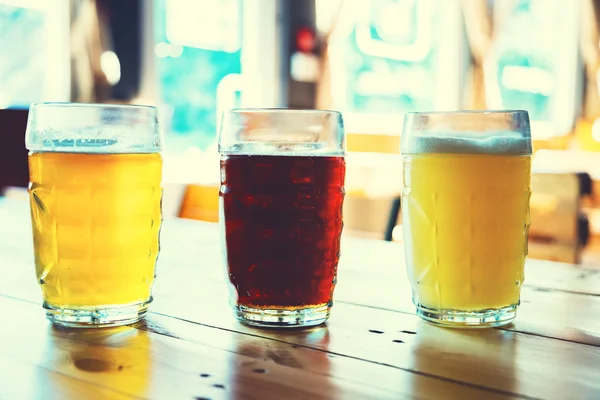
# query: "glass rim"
{"points": [[65, 104], [467, 132], [468, 112], [281, 131], [282, 110]]}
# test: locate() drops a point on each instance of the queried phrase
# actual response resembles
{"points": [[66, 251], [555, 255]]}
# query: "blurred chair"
{"points": [[14, 169], [200, 202], [559, 229], [191, 201], [373, 181], [372, 143]]}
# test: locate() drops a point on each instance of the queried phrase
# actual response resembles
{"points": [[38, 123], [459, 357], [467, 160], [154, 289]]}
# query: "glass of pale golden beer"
{"points": [[465, 214], [95, 194]]}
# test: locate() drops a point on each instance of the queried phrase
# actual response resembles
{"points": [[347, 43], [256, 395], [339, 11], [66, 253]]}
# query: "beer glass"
{"points": [[281, 196], [465, 214], [95, 194]]}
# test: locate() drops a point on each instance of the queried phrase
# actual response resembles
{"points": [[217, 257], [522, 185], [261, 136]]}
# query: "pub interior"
{"points": [[194, 61], [372, 60]]}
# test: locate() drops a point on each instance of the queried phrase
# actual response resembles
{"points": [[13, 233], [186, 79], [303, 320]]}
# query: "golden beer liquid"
{"points": [[466, 220], [96, 221]]}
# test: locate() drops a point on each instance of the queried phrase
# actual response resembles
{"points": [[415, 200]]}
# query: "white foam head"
{"points": [[469, 142], [505, 132]]}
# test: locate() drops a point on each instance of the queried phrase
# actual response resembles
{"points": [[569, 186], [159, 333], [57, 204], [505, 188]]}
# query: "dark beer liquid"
{"points": [[283, 221]]}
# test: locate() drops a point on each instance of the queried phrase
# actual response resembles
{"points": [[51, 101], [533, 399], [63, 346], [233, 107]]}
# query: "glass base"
{"points": [[468, 319], [97, 317], [282, 318]]}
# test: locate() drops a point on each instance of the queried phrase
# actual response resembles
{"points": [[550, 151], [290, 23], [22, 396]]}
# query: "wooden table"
{"points": [[190, 347]]}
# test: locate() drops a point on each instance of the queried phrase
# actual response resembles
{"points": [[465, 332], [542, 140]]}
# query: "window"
{"points": [[388, 57], [34, 52], [533, 65], [197, 55]]}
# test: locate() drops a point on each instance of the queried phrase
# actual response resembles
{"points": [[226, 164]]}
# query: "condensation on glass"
{"points": [[465, 214], [95, 194]]}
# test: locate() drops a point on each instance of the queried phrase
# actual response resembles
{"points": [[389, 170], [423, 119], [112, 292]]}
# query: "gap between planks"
{"points": [[257, 335]]}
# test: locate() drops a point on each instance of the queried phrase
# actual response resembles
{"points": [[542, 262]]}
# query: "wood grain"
{"points": [[555, 204], [164, 357], [372, 347], [24, 381], [510, 362], [193, 247]]}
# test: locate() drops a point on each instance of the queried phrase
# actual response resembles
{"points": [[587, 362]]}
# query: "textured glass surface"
{"points": [[465, 214]]}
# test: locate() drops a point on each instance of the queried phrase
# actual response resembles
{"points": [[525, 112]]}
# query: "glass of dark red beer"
{"points": [[282, 190]]}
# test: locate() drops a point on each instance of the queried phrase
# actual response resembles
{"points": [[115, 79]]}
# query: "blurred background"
{"points": [[373, 60]]}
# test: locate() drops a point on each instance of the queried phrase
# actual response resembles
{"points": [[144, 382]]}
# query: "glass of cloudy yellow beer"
{"points": [[95, 193], [465, 214]]}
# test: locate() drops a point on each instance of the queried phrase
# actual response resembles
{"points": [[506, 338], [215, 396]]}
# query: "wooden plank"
{"points": [[513, 362], [24, 381], [201, 241], [550, 307], [170, 358], [351, 337], [543, 312], [549, 314], [507, 362], [275, 349]]}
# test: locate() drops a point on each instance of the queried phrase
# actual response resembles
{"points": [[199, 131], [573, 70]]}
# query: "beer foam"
{"points": [[506, 143]]}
